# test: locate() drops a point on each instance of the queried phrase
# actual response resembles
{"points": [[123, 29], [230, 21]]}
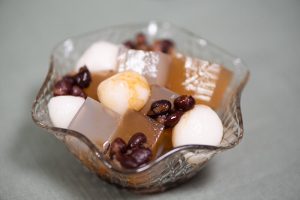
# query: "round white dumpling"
{"points": [[123, 91], [201, 125], [62, 109], [100, 56]]}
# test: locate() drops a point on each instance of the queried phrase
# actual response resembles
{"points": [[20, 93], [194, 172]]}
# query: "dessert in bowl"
{"points": [[181, 84]]}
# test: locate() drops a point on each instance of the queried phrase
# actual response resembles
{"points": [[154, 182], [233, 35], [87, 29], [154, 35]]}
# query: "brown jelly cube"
{"points": [[205, 81], [155, 66], [96, 122], [133, 122], [164, 142]]}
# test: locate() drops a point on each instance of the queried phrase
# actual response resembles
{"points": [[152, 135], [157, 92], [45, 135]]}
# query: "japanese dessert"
{"points": [[143, 113], [136, 101]]}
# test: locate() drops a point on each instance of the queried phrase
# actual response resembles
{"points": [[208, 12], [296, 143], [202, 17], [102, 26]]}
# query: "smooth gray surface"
{"points": [[265, 33]]}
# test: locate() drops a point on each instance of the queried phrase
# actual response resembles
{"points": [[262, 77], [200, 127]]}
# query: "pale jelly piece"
{"points": [[133, 122], [158, 93], [62, 109], [96, 122], [100, 56], [154, 66], [164, 143], [123, 91], [201, 125]]}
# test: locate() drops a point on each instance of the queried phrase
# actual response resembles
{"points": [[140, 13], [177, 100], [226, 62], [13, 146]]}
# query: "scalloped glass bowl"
{"points": [[180, 163]]}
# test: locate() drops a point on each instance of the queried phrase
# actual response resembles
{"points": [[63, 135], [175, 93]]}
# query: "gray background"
{"points": [[265, 33]]}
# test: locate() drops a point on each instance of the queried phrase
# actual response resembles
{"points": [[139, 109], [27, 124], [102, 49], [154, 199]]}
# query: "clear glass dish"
{"points": [[180, 163]]}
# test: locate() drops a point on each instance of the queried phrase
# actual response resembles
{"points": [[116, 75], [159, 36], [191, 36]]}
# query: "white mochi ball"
{"points": [[201, 125], [62, 109], [99, 56]]}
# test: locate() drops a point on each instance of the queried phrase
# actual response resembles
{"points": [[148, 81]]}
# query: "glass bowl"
{"points": [[175, 166]]}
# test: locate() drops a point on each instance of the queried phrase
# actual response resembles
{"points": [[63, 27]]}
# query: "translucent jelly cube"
{"points": [[164, 143], [154, 66], [205, 81], [158, 93], [133, 122], [96, 122]]}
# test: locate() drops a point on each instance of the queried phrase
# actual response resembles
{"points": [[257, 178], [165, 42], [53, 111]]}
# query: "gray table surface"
{"points": [[265, 33]]}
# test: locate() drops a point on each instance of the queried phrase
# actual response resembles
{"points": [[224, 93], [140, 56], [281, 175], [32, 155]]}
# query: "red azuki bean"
{"points": [[137, 140], [118, 146], [164, 45], [140, 39], [162, 119], [128, 162], [141, 155], [83, 77], [69, 79], [77, 91], [184, 102], [161, 107], [62, 87], [173, 118], [129, 44]]}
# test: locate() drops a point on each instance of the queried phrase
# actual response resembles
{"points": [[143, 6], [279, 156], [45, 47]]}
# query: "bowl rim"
{"points": [[66, 132]]}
